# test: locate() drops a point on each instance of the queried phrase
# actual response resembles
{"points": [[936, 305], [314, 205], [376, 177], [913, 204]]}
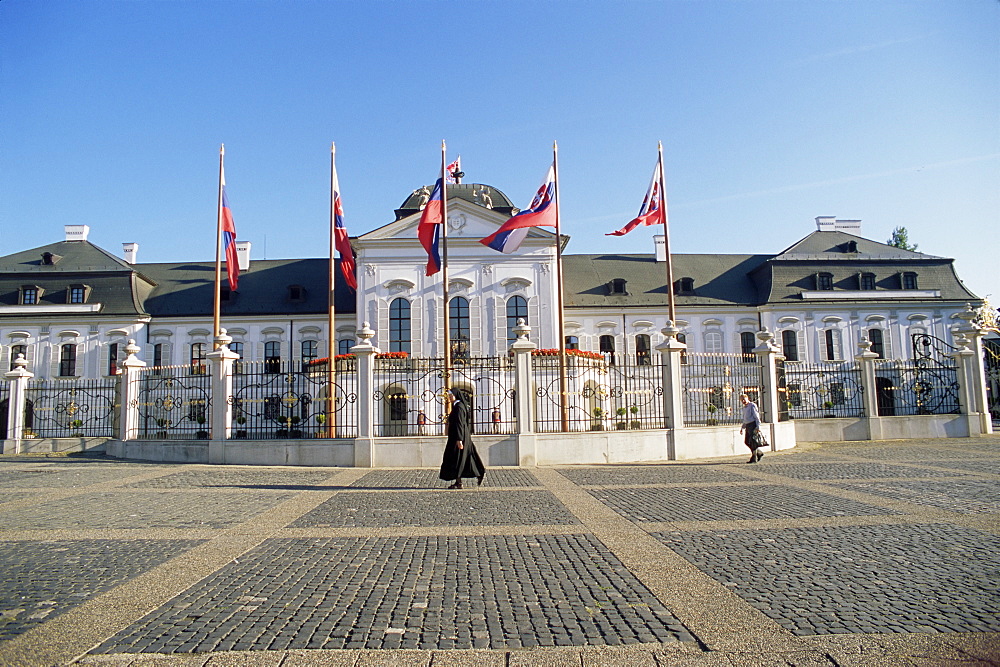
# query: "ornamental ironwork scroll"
{"points": [[72, 408]]}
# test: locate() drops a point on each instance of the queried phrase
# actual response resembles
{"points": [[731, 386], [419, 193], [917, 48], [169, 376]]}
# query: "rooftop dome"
{"points": [[477, 193]]}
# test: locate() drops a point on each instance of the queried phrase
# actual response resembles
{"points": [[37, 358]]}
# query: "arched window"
{"points": [[517, 309], [310, 350], [67, 360], [877, 341], [642, 349], [272, 356], [198, 359], [790, 345], [572, 343], [238, 349], [747, 340], [607, 344], [458, 323], [833, 346], [344, 345], [399, 325], [16, 350]]}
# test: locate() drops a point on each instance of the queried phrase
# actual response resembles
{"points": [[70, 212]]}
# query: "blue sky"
{"points": [[771, 113]]}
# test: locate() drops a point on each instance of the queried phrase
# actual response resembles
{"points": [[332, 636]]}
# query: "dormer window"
{"points": [[684, 286], [48, 258], [30, 295], [296, 293], [909, 280], [824, 281], [617, 286], [77, 294], [867, 282], [850, 246]]}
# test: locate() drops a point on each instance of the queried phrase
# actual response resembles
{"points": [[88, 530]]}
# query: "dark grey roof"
{"points": [[185, 289], [477, 193], [717, 280], [112, 282], [837, 245]]}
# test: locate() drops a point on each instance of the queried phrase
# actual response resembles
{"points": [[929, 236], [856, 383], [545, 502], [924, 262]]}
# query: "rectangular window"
{"points": [[867, 282], [824, 281], [877, 341], [113, 359], [310, 351], [909, 280], [238, 363], [67, 360], [747, 344], [29, 296], [272, 356], [790, 345], [198, 359], [15, 351], [77, 294], [833, 352]]}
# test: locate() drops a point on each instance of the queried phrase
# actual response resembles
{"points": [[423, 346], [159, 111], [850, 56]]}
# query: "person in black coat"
{"points": [[460, 456]]}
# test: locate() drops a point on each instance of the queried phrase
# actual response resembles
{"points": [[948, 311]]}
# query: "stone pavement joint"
{"points": [[831, 554]]}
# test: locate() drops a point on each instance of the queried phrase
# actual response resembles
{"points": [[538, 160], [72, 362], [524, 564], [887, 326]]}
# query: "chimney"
{"points": [[76, 232], [243, 254], [829, 223], [659, 241], [130, 250]]}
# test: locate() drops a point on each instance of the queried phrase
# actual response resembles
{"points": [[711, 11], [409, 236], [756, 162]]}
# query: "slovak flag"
{"points": [[451, 169], [341, 240], [429, 229], [229, 239], [541, 213], [651, 212]]}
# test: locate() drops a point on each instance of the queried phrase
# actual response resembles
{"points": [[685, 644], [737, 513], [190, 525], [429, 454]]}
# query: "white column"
{"points": [[221, 363], [673, 388], [869, 387], [522, 349], [364, 444], [767, 354], [128, 425], [18, 379], [977, 374]]}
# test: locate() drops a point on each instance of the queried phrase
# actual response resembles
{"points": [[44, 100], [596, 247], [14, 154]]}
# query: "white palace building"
{"points": [[70, 307]]}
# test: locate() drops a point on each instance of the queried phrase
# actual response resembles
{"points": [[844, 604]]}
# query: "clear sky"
{"points": [[771, 113]]}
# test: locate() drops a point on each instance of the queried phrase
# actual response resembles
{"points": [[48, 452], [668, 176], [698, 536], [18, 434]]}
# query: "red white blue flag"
{"points": [[229, 239], [341, 239], [651, 212], [452, 169], [429, 229], [541, 213]]}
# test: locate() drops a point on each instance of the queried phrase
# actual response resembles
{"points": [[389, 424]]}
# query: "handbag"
{"points": [[758, 440]]}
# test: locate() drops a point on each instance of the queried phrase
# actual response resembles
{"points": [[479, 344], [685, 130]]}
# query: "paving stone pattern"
{"points": [[428, 479], [43, 579], [728, 503], [904, 453], [966, 496], [118, 510], [850, 470], [977, 467], [662, 474], [416, 592], [60, 476], [857, 579], [216, 478], [465, 507]]}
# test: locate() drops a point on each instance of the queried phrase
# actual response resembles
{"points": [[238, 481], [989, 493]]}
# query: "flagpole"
{"points": [[331, 334], [564, 415], [444, 271], [666, 239], [217, 305]]}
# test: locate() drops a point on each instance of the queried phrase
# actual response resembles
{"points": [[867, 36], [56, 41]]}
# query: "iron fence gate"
{"points": [[72, 408], [174, 402], [712, 384], [926, 385]]}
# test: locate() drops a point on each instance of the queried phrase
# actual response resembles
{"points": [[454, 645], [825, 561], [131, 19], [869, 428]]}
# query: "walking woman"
{"points": [[750, 427], [460, 456]]}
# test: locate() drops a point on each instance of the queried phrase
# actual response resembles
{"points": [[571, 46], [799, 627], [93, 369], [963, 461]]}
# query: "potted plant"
{"points": [[321, 432], [711, 421], [76, 424], [635, 423], [283, 431], [620, 424], [201, 434], [597, 424], [828, 405], [241, 433], [296, 432], [162, 422]]}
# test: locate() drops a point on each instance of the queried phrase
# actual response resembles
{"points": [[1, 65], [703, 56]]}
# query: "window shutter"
{"points": [[56, 349], [6, 357], [105, 356], [418, 337], [535, 321], [499, 343], [381, 325], [475, 328], [79, 371]]}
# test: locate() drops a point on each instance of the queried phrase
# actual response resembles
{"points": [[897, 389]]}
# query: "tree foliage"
{"points": [[901, 239]]}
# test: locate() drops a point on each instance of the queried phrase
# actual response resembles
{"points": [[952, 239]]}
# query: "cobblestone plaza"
{"points": [[830, 554]]}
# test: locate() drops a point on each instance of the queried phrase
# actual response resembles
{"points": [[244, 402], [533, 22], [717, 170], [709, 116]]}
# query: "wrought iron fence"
{"points": [[712, 384], [816, 390], [991, 366], [410, 394], [71, 408], [602, 392], [173, 403], [4, 407], [281, 400], [918, 387]]}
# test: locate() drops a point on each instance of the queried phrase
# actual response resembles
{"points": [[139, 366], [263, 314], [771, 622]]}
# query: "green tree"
{"points": [[901, 239]]}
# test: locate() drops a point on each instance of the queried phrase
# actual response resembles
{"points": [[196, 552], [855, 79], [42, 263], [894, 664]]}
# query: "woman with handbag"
{"points": [[460, 456], [751, 429]]}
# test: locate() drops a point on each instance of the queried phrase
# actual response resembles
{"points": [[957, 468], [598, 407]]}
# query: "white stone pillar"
{"points": [[869, 387], [524, 386], [767, 354], [128, 425], [672, 353], [18, 379], [364, 444], [221, 363], [974, 333]]}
